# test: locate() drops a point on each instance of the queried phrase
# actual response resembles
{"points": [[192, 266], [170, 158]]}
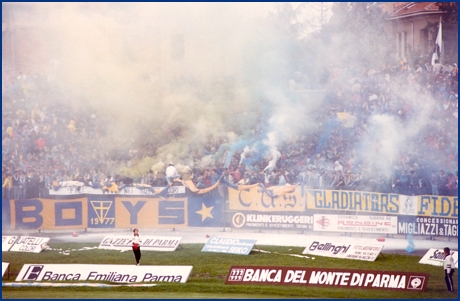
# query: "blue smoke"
{"points": [[256, 145], [238, 145], [330, 125], [411, 247]]}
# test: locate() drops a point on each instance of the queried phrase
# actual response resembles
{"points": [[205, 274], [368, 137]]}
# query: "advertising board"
{"points": [[102, 272], [148, 243], [378, 224], [433, 226], [272, 220], [332, 278], [229, 245], [436, 257], [30, 244], [8, 242], [348, 250]]}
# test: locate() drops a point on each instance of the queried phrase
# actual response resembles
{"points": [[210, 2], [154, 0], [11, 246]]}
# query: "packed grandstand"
{"points": [[47, 143]]}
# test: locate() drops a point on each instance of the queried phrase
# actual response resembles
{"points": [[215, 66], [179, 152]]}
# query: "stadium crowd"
{"points": [[45, 142]]}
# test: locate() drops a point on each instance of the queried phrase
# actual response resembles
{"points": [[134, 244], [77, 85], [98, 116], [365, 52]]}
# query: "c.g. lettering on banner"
{"points": [[256, 198]]}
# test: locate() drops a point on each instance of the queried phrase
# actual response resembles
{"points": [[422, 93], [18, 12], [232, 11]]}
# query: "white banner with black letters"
{"points": [[78, 188], [340, 249], [148, 243], [271, 220], [8, 242], [423, 225], [436, 257], [379, 224], [30, 244], [229, 245], [103, 272]]}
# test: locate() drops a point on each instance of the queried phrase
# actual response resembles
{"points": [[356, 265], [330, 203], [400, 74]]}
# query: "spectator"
{"points": [[22, 186], [452, 184], [338, 166], [281, 178], [412, 183], [339, 181], [32, 183], [16, 185], [236, 175], [7, 187], [200, 182], [442, 183], [214, 177], [437, 67]]}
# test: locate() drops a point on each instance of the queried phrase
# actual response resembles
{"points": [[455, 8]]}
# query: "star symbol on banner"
{"points": [[205, 212]]}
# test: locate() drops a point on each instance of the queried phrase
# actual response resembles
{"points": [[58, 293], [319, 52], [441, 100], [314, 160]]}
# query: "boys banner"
{"points": [[105, 211]]}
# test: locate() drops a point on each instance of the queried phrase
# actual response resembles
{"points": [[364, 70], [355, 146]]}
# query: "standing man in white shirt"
{"points": [[449, 269], [137, 246], [171, 173]]}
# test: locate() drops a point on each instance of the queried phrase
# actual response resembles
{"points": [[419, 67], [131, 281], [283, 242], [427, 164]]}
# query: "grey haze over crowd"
{"points": [[116, 59], [177, 74]]}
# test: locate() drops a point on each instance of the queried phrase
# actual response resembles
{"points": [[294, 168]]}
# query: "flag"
{"points": [[438, 45]]}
